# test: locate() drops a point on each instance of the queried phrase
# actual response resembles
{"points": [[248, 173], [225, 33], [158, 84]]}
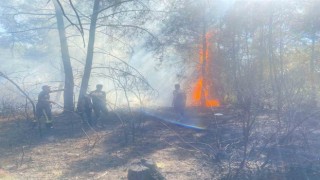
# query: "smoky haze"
{"points": [[33, 57], [249, 71], [34, 65]]}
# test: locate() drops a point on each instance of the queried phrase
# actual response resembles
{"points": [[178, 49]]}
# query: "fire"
{"points": [[201, 92], [196, 96]]}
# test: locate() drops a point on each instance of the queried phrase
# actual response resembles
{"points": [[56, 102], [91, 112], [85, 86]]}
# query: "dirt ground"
{"points": [[74, 151]]}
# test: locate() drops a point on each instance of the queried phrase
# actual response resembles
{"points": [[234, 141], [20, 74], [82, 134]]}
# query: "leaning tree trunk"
{"points": [[68, 83], [88, 65]]}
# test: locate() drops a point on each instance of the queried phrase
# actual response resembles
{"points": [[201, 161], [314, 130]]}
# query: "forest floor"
{"points": [[209, 149]]}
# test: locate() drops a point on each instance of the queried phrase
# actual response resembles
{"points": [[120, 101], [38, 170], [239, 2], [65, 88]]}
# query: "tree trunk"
{"points": [[204, 64], [312, 65], [89, 58], [68, 83]]}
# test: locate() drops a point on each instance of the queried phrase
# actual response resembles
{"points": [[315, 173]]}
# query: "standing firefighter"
{"points": [[179, 100], [43, 107], [98, 98]]}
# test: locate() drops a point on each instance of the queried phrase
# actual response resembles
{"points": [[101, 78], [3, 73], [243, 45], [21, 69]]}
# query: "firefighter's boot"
{"points": [[49, 125], [34, 124]]}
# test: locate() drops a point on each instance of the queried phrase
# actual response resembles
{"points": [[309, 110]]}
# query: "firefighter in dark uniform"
{"points": [[85, 109], [98, 98], [179, 100], [43, 107]]}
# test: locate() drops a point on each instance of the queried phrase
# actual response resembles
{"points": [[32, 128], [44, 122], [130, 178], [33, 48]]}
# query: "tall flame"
{"points": [[201, 94]]}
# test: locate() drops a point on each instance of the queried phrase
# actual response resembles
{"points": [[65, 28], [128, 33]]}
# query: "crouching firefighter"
{"points": [[85, 109], [43, 107]]}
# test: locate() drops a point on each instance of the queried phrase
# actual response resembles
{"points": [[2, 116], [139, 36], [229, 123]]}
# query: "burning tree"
{"points": [[189, 30], [203, 89]]}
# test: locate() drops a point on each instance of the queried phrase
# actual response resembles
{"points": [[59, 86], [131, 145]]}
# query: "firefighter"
{"points": [[85, 109], [43, 107], [98, 98], [179, 100]]}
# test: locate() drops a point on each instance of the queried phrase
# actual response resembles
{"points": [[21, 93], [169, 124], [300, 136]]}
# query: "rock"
{"points": [[139, 172], [144, 170]]}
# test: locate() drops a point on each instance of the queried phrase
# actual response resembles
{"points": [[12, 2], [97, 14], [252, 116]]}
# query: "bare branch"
{"points": [[131, 26], [69, 20], [113, 5], [79, 21], [134, 10], [22, 91]]}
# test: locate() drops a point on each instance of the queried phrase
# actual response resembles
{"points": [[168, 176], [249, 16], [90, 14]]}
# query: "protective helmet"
{"points": [[99, 86], [45, 87]]}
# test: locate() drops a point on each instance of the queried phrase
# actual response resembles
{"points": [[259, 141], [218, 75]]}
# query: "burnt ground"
{"points": [[74, 151]]}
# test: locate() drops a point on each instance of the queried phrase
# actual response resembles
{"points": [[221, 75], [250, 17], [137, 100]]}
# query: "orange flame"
{"points": [[201, 89], [196, 95]]}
